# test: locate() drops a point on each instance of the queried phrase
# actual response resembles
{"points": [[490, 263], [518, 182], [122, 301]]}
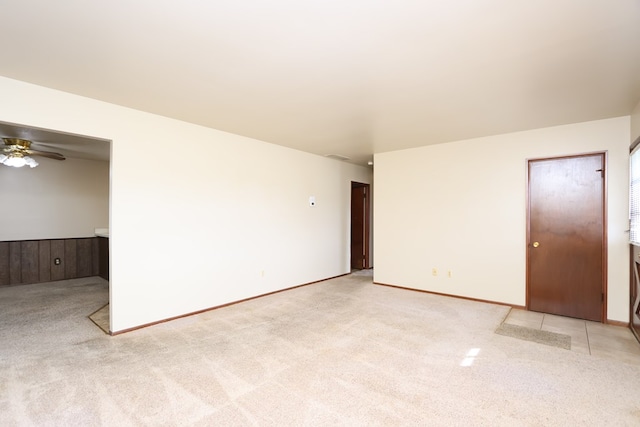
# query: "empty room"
{"points": [[320, 213]]}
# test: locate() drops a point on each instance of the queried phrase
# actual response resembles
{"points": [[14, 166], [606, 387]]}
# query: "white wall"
{"points": [[197, 215], [635, 123], [55, 200], [462, 207]]}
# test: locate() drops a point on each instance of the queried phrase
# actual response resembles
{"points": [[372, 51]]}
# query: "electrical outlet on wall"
{"points": [[434, 271], [57, 261]]}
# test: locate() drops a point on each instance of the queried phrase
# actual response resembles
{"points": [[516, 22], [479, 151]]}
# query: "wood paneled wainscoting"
{"points": [[35, 261]]}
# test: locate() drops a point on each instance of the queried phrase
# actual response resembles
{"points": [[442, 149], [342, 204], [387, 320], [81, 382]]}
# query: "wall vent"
{"points": [[337, 157]]}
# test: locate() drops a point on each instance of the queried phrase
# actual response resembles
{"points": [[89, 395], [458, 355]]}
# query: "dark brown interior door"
{"points": [[359, 226], [566, 245]]}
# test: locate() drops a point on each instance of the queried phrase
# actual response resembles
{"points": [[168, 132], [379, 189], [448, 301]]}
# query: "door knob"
{"points": [[536, 244]]}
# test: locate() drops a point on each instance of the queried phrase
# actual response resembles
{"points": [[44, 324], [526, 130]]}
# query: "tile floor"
{"points": [[596, 339]]}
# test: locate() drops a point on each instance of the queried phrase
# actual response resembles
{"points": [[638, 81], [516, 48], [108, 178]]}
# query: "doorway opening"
{"points": [[62, 210], [360, 226], [566, 237]]}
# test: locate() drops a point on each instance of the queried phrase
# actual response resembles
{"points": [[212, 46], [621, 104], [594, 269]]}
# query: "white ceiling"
{"points": [[349, 77]]}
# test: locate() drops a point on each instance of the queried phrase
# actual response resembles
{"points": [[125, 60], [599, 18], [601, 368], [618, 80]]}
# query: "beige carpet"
{"points": [[342, 352]]}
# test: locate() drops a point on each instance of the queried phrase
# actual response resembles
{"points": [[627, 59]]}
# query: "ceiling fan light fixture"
{"points": [[30, 162], [17, 152], [17, 160]]}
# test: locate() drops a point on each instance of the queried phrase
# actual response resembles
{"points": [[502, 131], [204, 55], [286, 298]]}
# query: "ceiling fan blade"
{"points": [[49, 154]]}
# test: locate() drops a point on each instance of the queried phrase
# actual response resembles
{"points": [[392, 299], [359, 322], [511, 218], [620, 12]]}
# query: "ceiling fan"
{"points": [[17, 152]]}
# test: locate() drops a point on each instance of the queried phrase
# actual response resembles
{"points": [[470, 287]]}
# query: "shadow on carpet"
{"points": [[535, 335], [101, 318]]}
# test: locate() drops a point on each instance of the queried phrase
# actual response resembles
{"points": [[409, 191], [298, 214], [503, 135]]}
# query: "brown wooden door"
{"points": [[359, 226], [566, 245]]}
